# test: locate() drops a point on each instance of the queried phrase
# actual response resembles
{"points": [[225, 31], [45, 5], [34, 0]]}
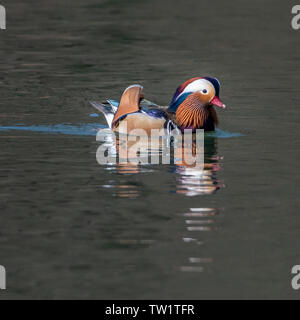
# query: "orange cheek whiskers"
{"points": [[191, 113]]}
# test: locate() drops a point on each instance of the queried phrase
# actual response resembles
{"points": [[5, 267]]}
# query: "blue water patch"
{"points": [[80, 129], [224, 134], [91, 129], [94, 115]]}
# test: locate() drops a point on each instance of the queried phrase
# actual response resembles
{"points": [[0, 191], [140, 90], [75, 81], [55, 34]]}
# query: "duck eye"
{"points": [[204, 91]]}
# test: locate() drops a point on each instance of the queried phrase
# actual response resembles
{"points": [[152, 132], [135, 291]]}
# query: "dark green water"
{"points": [[70, 228]]}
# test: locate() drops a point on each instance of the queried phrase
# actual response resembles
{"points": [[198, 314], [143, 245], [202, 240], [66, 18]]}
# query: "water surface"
{"points": [[71, 228]]}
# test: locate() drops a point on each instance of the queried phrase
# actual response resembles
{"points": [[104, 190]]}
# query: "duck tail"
{"points": [[108, 111]]}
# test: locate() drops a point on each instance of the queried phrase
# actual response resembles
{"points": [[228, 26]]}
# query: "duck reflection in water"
{"points": [[200, 179], [140, 155]]}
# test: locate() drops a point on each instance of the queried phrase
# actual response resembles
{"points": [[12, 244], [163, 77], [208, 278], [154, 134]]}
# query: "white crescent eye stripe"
{"points": [[198, 85]]}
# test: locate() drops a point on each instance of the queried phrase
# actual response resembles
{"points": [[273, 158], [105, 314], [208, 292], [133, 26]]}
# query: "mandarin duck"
{"points": [[191, 108]]}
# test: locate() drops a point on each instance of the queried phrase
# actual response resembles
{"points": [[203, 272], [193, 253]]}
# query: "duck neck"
{"points": [[192, 114]]}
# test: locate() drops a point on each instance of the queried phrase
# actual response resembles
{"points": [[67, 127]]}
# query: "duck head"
{"points": [[193, 103]]}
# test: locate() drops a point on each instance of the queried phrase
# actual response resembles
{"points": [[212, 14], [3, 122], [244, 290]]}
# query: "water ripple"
{"points": [[197, 226], [92, 129]]}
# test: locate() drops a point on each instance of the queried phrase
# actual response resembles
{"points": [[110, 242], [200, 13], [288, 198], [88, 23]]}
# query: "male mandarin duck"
{"points": [[191, 108]]}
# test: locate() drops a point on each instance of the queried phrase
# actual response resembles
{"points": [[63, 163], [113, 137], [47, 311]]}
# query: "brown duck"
{"points": [[192, 107]]}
